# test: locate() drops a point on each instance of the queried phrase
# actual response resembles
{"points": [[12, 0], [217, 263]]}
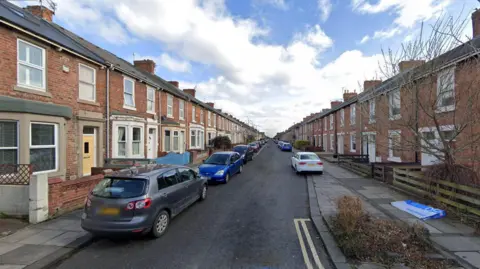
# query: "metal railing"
{"points": [[15, 174]]}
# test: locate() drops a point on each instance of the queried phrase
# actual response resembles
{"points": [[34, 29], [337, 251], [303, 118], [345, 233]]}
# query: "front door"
{"points": [[88, 153], [152, 143], [182, 142], [341, 144], [428, 158]]}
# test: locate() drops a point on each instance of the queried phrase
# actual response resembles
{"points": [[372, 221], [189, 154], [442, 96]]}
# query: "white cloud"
{"points": [[274, 85], [280, 4], [407, 12], [364, 39], [325, 7], [173, 64]]}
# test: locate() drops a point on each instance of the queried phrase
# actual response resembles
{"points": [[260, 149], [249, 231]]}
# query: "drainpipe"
{"points": [[107, 140]]}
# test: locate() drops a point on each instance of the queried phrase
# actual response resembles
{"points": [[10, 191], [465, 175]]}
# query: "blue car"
{"points": [[286, 147], [221, 166]]}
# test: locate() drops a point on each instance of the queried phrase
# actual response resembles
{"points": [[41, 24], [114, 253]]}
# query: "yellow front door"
{"points": [[88, 154]]}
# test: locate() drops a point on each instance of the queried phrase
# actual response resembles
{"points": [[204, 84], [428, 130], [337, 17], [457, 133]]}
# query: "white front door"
{"points": [[341, 144], [182, 142], [152, 143], [371, 148]]}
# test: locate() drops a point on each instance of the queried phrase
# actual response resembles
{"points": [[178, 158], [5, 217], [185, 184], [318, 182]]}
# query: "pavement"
{"points": [[451, 238], [260, 219]]}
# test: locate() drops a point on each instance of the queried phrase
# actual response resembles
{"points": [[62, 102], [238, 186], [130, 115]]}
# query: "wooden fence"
{"points": [[462, 197], [356, 163]]}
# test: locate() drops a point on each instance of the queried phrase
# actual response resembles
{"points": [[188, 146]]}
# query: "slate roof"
{"points": [[18, 16]]}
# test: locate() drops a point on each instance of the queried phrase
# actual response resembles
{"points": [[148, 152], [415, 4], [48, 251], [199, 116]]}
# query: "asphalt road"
{"points": [[254, 221]]}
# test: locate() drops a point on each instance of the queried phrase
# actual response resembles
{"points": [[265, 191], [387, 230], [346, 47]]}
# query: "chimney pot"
{"points": [[174, 83], [335, 103], [407, 65], [211, 104], [190, 91], [41, 11], [476, 23], [348, 95], [145, 65]]}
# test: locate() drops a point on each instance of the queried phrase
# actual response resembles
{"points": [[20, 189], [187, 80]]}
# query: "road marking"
{"points": [[313, 250], [302, 246]]}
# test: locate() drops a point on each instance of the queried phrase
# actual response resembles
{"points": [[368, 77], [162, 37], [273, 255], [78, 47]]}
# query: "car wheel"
{"points": [[321, 172], [241, 169], [203, 194], [227, 178], [160, 225]]}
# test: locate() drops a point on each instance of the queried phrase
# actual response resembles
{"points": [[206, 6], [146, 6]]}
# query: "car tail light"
{"points": [[140, 204], [320, 163], [302, 163]]}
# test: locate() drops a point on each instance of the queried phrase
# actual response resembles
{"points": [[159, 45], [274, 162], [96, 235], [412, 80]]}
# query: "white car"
{"points": [[307, 162]]}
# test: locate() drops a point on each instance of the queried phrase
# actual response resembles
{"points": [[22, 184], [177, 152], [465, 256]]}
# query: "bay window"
{"points": [[8, 142], [122, 142], [44, 147]]}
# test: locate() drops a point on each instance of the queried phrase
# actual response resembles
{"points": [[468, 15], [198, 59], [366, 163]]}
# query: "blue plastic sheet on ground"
{"points": [[418, 210]]}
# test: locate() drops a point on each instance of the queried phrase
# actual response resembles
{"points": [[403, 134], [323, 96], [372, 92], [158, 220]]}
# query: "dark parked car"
{"points": [[221, 166], [245, 152], [141, 200], [254, 146]]}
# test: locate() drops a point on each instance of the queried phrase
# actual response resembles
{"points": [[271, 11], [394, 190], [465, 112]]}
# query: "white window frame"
{"points": [[325, 123], [390, 145], [342, 117], [169, 140], [193, 138], [450, 73], [209, 118], [353, 139], [125, 105], [371, 111], [149, 89], [17, 148], [126, 139], [214, 120], [331, 121], [137, 141], [55, 146], [94, 82], [43, 68], [390, 98], [201, 116], [169, 106], [173, 136], [181, 109], [353, 114], [332, 142], [194, 113]]}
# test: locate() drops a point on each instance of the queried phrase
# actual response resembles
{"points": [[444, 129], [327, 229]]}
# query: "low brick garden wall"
{"points": [[66, 196]]}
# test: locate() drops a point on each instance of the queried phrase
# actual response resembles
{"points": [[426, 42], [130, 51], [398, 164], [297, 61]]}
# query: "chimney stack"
{"points": [[370, 84], [190, 91], [211, 104], [407, 65], [348, 95], [335, 103], [174, 83], [145, 65], [476, 23], [41, 11]]}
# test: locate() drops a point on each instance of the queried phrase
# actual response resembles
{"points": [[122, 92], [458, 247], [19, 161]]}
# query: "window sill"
{"points": [[170, 116], [353, 150], [444, 109], [396, 117], [88, 102], [152, 112], [395, 159], [32, 91], [129, 107]]}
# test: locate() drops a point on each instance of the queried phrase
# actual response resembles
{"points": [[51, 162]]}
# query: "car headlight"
{"points": [[220, 173]]}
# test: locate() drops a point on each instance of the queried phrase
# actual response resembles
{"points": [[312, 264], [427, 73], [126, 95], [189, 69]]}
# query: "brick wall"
{"points": [[65, 196]]}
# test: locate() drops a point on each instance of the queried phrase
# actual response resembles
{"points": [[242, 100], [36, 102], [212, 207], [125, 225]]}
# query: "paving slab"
{"points": [[42, 237], [20, 235], [27, 254], [457, 243], [11, 266], [6, 247], [471, 257], [331, 245], [65, 239]]}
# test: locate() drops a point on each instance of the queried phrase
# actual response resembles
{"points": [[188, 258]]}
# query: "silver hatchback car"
{"points": [[141, 200]]}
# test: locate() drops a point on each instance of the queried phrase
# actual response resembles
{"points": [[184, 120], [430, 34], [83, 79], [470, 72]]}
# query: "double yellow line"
{"points": [[302, 223]]}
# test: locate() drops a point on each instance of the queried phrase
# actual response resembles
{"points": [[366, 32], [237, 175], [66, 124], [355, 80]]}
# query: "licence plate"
{"points": [[204, 177], [109, 211], [311, 164]]}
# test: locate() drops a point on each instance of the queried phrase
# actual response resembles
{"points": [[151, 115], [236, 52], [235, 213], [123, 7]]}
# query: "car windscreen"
{"points": [[286, 144], [309, 157], [217, 159], [120, 188], [240, 150], [252, 144]]}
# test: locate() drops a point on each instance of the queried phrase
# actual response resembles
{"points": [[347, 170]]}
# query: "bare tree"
{"points": [[430, 102]]}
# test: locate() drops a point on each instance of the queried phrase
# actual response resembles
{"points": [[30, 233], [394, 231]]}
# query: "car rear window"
{"points": [[240, 150], [120, 188], [309, 157], [221, 159], [286, 144]]}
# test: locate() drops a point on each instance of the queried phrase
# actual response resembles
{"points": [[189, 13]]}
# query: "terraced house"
{"points": [[66, 104], [412, 117]]}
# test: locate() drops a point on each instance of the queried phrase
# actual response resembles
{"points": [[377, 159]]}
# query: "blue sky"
{"points": [[268, 61]]}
